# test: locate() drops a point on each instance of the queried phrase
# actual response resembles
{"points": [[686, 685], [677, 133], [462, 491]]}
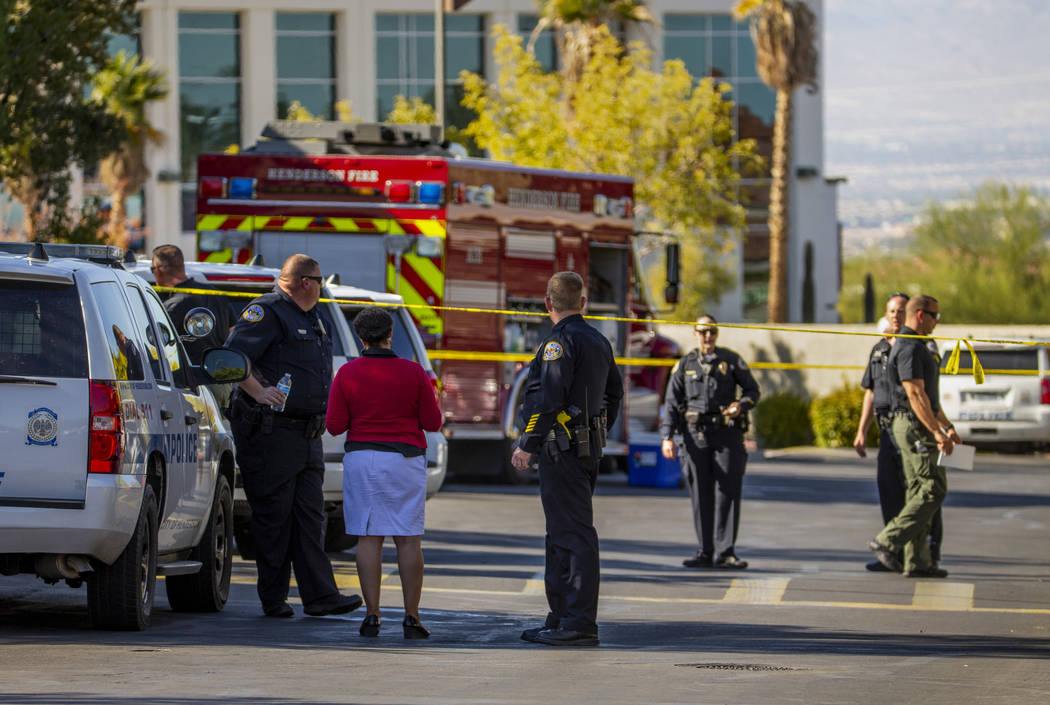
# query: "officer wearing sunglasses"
{"points": [[703, 411]]}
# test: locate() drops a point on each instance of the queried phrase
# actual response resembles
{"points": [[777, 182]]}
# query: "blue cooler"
{"points": [[647, 467]]}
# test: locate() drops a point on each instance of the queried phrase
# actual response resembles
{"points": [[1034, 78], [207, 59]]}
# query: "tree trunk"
{"points": [[779, 220], [118, 218]]}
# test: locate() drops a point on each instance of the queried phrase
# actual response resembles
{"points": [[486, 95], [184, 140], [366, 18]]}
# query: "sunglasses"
{"points": [[154, 267], [318, 279], [702, 331], [936, 314]]}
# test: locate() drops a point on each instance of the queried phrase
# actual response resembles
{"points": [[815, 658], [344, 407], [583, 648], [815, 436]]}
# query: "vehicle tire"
{"points": [[208, 590], [120, 596], [335, 537]]}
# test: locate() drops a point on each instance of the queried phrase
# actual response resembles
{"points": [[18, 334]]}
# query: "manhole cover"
{"points": [[738, 666]]}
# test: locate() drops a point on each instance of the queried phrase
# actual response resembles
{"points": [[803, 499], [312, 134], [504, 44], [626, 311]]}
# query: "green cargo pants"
{"points": [[926, 485]]}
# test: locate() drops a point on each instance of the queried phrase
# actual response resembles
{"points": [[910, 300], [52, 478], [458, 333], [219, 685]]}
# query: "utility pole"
{"points": [[439, 63]]}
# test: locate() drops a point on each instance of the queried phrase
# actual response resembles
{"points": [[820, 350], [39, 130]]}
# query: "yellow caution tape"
{"points": [[951, 367]]}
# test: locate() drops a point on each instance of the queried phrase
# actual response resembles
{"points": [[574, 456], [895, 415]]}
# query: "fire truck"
{"points": [[389, 207]]}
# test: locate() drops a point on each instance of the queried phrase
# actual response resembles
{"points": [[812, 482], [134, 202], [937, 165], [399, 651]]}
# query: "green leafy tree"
{"points": [[784, 32], [125, 85], [671, 133], [48, 51], [984, 256]]}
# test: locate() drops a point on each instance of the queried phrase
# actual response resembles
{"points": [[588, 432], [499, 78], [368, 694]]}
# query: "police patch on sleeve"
{"points": [[552, 351], [253, 313]]}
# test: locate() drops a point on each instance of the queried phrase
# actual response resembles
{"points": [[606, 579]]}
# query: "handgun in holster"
{"points": [[265, 420], [562, 434]]}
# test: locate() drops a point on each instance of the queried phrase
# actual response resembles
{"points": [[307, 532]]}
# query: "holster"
{"points": [[314, 428]]}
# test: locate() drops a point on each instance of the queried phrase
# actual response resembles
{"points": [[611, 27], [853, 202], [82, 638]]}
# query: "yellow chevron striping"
{"points": [[430, 227], [345, 225], [220, 257], [297, 223], [210, 222], [250, 222], [421, 311], [394, 227], [427, 270]]}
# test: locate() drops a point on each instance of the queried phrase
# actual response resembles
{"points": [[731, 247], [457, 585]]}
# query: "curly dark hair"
{"points": [[373, 325]]}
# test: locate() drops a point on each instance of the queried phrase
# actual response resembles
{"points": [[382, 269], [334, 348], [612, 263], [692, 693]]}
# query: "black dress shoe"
{"points": [[877, 567], [885, 554], [731, 562], [281, 610], [370, 625], [566, 637], [700, 560], [414, 629], [531, 633], [926, 573], [333, 604]]}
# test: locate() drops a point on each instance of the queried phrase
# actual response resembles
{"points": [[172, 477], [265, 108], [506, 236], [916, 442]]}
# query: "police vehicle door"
{"points": [[172, 433]]}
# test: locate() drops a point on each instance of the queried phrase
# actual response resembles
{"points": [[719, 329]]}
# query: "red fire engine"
{"points": [[387, 207]]}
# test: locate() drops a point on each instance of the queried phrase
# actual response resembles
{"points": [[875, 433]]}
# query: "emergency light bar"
{"points": [[428, 192], [242, 187]]}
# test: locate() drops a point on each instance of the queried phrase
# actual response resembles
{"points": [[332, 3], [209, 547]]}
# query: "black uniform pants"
{"points": [[889, 476], [283, 473], [572, 572], [714, 465]]}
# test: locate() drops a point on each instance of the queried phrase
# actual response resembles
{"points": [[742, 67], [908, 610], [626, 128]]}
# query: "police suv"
{"points": [[243, 282], [117, 465]]}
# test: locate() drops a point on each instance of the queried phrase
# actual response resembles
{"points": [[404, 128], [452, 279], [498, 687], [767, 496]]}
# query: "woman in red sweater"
{"points": [[384, 403]]}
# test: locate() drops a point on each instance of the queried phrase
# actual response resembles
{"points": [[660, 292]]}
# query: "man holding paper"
{"points": [[920, 429]]}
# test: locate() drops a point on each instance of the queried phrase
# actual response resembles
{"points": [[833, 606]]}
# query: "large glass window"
{"points": [[209, 86], [405, 60], [121, 334], [41, 330], [715, 45], [305, 49]]}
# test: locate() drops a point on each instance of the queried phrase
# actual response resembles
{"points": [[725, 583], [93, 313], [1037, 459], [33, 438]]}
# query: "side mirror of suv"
{"points": [[222, 365]]}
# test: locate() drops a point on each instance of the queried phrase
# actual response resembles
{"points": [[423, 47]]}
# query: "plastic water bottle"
{"points": [[284, 386]]}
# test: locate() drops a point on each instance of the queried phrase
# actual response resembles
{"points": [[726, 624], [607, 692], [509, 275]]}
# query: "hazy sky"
{"points": [[927, 98]]}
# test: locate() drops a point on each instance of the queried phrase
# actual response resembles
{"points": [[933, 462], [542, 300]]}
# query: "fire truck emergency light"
{"points": [[213, 187], [399, 191], [242, 187], [430, 191]]}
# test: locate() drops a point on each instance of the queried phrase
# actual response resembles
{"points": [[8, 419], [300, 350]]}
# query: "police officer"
{"points": [[920, 429], [878, 391], [279, 452], [169, 270], [701, 406], [572, 396]]}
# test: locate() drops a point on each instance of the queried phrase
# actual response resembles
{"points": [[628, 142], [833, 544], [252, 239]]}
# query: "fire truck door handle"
{"points": [[165, 415]]}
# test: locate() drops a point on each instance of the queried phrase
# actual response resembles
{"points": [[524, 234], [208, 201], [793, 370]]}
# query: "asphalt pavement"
{"points": [[804, 624]]}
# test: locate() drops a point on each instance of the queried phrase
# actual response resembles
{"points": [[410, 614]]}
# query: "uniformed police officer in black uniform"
{"points": [[572, 396], [279, 452], [701, 407], [878, 392], [920, 429], [169, 270]]}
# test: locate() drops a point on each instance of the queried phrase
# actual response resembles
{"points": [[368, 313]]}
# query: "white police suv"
{"points": [[244, 282], [117, 466]]}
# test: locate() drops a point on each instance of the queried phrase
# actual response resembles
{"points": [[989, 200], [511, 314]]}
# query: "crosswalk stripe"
{"points": [[535, 585], [943, 596], [763, 591]]}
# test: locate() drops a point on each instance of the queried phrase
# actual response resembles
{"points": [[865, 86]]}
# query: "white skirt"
{"points": [[383, 493]]}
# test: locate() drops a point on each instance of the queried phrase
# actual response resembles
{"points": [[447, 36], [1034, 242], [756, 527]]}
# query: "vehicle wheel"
{"points": [[208, 590], [120, 596], [335, 537], [242, 533]]}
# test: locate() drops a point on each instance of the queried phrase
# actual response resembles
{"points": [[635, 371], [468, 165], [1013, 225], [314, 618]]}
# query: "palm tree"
{"points": [[784, 32], [125, 85], [576, 24]]}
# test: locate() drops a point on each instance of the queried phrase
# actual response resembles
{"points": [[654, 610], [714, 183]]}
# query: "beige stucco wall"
{"points": [[809, 346]]}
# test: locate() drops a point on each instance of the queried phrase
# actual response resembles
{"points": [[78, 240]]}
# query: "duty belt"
{"points": [[312, 426]]}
